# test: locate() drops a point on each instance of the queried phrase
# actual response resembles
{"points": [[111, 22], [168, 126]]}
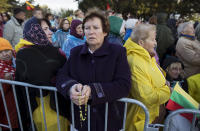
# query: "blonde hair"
{"points": [[141, 32], [174, 65]]}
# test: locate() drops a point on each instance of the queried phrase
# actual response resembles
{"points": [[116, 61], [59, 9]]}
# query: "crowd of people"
{"points": [[94, 58]]}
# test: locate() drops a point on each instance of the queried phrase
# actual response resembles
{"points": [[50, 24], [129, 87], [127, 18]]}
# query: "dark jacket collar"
{"points": [[103, 50]]}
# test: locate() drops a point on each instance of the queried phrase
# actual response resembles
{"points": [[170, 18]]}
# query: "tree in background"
{"points": [[145, 8], [7, 5], [65, 13]]}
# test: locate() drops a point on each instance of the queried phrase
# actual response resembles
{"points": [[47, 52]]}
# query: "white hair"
{"points": [[182, 27]]}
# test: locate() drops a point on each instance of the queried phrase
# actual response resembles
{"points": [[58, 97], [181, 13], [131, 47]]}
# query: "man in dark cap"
{"points": [[13, 29]]}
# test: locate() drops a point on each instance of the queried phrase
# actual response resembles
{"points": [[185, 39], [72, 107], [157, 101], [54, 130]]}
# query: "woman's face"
{"points": [[66, 25], [94, 32], [5, 18], [47, 31], [150, 43], [79, 30], [6, 55], [174, 70]]}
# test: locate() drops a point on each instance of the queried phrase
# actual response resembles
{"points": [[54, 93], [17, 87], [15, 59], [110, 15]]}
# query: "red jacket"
{"points": [[6, 67]]}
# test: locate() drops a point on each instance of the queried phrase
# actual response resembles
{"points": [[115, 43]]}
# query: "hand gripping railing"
{"points": [[126, 101], [170, 116]]}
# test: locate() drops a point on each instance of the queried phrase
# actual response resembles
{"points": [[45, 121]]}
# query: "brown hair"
{"points": [[62, 23], [95, 12], [153, 20]]}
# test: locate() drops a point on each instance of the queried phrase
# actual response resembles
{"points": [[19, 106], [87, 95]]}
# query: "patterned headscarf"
{"points": [[34, 33]]}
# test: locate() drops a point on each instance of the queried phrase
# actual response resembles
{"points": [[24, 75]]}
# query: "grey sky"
{"points": [[56, 5]]}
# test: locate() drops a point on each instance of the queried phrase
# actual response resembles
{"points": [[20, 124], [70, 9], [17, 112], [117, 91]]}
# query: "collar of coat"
{"points": [[22, 43], [134, 48], [15, 20], [103, 50]]}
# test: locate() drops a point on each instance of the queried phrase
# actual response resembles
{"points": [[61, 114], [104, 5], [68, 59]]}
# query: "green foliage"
{"points": [[64, 13], [146, 7], [4, 6]]}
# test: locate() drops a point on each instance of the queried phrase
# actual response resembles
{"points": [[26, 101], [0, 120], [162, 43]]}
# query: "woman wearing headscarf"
{"points": [[60, 35], [75, 38], [117, 30], [148, 81], [37, 62]]}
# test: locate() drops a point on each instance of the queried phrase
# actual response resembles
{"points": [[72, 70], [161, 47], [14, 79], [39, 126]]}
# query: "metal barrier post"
{"points": [[17, 106], [166, 127], [5, 107], [132, 101], [29, 107], [72, 112], [42, 102], [106, 116], [88, 117], [57, 110]]}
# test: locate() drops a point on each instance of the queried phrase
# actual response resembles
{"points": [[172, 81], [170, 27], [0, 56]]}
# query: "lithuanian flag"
{"points": [[181, 100]]}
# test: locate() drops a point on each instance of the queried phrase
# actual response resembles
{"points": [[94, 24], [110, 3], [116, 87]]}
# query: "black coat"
{"points": [[107, 72], [38, 65]]}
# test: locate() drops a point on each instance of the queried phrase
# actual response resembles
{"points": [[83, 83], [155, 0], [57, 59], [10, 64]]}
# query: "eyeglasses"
{"points": [[66, 23]]}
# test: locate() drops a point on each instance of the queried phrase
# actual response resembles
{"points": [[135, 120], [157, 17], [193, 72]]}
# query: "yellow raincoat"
{"points": [[194, 86], [148, 86]]}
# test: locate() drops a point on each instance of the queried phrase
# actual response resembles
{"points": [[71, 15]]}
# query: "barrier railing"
{"points": [[170, 116], [147, 126], [126, 101], [27, 86]]}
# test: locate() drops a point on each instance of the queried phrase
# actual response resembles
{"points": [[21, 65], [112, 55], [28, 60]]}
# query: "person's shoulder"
{"points": [[116, 47], [9, 23], [77, 49]]}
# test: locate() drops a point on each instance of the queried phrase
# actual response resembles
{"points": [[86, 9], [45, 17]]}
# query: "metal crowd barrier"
{"points": [[147, 126], [170, 116], [40, 88], [26, 85], [126, 101]]}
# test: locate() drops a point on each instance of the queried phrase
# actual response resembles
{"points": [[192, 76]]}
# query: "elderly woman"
{"points": [[96, 72], [188, 49], [37, 62], [75, 38], [60, 35], [148, 82]]}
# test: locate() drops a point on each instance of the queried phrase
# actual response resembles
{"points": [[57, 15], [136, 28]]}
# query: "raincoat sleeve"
{"points": [[144, 91]]}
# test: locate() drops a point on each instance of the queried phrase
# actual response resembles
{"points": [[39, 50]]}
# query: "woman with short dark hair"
{"points": [[96, 72]]}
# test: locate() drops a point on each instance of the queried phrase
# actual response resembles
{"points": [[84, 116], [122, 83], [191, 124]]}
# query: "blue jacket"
{"points": [[128, 34], [111, 38], [70, 43], [59, 38], [107, 72]]}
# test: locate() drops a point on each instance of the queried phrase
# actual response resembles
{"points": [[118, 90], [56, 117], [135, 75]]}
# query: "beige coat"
{"points": [[13, 31], [188, 51]]}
